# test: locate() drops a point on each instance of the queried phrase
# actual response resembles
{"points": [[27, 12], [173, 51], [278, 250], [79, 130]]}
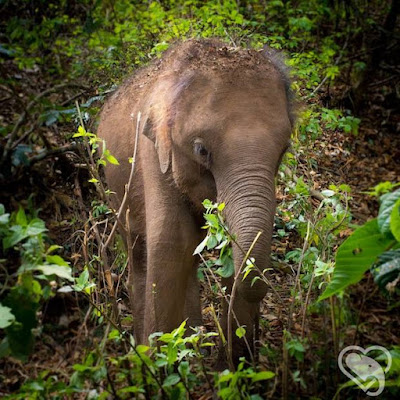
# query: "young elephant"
{"points": [[215, 122]]}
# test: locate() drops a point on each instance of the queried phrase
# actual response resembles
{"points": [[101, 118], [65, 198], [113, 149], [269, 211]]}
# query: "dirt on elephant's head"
{"points": [[210, 58]]}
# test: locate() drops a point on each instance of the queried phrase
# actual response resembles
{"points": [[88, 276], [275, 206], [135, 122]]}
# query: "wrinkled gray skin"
{"points": [[215, 123]]}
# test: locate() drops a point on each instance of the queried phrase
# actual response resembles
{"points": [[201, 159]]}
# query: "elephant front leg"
{"points": [[169, 265], [137, 286], [192, 308]]}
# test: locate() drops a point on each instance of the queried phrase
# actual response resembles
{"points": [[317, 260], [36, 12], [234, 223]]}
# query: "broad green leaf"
{"points": [[388, 202], [171, 380], [211, 242], [355, 256], [18, 234], [6, 317], [35, 227], [54, 269], [395, 220], [262, 376]]}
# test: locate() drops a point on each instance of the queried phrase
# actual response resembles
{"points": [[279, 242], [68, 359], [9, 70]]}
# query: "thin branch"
{"points": [[51, 153], [127, 186]]}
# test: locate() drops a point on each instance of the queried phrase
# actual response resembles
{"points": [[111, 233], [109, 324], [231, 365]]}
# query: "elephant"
{"points": [[210, 122]]}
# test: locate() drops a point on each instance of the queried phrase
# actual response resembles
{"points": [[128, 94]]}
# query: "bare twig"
{"points": [[51, 153], [128, 185]]}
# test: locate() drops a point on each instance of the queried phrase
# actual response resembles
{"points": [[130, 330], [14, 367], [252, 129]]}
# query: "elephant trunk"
{"points": [[249, 197]]}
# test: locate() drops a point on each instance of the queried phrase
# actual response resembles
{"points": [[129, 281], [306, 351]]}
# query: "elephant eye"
{"points": [[200, 149]]}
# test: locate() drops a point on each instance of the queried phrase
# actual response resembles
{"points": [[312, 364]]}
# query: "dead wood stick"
{"points": [[51, 153]]}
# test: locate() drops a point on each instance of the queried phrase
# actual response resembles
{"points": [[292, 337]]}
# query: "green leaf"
{"points": [[171, 380], [82, 133], [54, 269], [6, 317], [111, 159], [262, 376], [83, 278], [35, 227], [240, 332], [388, 202], [328, 193], [141, 348], [18, 234], [355, 256], [395, 220], [23, 299], [20, 218], [212, 220], [52, 248], [211, 242], [56, 260], [228, 267], [221, 206]]}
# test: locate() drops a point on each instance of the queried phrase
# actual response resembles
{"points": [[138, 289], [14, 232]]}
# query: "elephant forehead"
{"points": [[220, 101]]}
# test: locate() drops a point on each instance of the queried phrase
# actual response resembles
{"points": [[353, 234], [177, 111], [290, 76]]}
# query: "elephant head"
{"points": [[221, 120]]}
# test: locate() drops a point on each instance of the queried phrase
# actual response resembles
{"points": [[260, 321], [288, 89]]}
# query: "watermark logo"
{"points": [[363, 370]]}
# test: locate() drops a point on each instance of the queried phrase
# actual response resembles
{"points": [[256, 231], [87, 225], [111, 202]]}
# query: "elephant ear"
{"points": [[157, 129]]}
